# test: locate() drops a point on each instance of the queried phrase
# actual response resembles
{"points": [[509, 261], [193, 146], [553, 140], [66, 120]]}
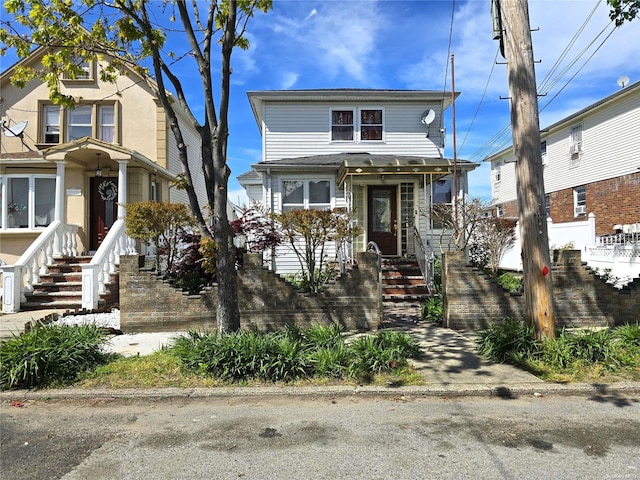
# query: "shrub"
{"points": [[628, 334], [588, 346], [187, 271], [47, 355], [318, 350], [510, 282], [432, 309], [510, 342]]}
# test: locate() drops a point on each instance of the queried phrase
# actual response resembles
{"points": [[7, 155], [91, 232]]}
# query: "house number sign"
{"points": [[108, 191]]}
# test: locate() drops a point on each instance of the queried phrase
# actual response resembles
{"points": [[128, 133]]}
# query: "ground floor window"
{"points": [[28, 201], [306, 194], [579, 201]]}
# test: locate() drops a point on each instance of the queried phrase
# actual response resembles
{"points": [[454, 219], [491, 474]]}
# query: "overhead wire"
{"points": [[497, 142]]}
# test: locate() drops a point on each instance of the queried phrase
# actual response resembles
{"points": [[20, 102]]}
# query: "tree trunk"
{"points": [[536, 261]]}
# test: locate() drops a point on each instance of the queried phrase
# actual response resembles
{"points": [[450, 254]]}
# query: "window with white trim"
{"points": [[543, 151], [499, 211], [308, 194], [371, 126], [51, 124], [497, 171], [579, 201], [30, 201], [342, 125], [368, 122], [575, 140]]}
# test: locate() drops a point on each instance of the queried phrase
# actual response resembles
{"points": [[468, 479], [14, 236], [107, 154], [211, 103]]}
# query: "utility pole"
{"points": [[525, 125]]}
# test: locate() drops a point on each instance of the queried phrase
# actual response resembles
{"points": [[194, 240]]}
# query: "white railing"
{"points": [[58, 239], [98, 273]]}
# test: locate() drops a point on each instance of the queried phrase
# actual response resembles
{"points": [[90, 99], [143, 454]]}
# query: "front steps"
{"points": [[402, 281], [61, 288]]}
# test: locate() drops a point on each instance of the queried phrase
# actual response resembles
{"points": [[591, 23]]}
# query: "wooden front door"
{"points": [[104, 209], [383, 218]]}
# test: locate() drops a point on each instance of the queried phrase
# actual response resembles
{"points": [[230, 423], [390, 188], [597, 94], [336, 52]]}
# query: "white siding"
{"points": [[610, 148], [303, 129]]}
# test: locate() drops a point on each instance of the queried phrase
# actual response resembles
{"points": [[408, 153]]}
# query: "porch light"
{"points": [[98, 170]]}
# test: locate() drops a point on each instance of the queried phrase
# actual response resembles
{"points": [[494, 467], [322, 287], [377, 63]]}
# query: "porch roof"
{"points": [[365, 164]]}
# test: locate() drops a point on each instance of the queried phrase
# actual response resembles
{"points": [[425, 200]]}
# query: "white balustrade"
{"points": [[34, 263]]}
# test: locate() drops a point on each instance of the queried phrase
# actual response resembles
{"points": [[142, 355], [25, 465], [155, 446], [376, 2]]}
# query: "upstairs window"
{"points": [[371, 125], [575, 140], [79, 122], [497, 171], [51, 133], [579, 201], [342, 125], [87, 120], [106, 123], [543, 151]]}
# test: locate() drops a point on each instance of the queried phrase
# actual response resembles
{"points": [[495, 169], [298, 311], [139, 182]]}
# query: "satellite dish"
{"points": [[16, 130], [623, 81], [427, 117]]}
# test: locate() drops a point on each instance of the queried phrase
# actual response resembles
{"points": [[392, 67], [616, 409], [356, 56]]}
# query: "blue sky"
{"points": [[399, 44]]}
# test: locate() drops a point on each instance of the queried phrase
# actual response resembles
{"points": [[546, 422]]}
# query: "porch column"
{"points": [[122, 188], [59, 207]]}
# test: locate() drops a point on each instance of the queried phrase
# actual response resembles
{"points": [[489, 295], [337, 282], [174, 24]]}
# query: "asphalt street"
{"points": [[323, 437]]}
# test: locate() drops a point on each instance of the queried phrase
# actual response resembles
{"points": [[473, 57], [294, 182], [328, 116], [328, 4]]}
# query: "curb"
{"points": [[442, 390]]}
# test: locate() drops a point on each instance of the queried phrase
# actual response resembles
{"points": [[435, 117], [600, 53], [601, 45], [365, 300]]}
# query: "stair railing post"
{"points": [[11, 288]]}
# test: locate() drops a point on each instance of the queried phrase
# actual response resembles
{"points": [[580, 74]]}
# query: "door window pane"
{"points": [[381, 217]]}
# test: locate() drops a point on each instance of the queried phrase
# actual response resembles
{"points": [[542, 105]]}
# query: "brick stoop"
{"points": [[402, 281], [61, 288]]}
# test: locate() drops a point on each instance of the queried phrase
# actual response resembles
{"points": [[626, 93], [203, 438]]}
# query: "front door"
{"points": [[104, 209], [383, 219]]}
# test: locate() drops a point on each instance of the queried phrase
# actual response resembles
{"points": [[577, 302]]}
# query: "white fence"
{"points": [[610, 254]]}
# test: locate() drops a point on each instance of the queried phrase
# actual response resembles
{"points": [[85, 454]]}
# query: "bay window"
{"points": [[309, 194], [29, 202]]}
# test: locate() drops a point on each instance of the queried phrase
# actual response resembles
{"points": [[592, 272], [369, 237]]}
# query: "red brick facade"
{"points": [[614, 201]]}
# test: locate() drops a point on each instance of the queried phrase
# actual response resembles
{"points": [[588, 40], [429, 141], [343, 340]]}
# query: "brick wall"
{"points": [[613, 201], [265, 301], [472, 299]]}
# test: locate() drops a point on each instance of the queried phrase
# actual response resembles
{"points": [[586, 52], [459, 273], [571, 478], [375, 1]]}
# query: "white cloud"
{"points": [[289, 79], [311, 14]]}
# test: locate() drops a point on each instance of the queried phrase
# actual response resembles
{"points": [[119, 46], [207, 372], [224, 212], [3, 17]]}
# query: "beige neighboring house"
{"points": [[67, 174]]}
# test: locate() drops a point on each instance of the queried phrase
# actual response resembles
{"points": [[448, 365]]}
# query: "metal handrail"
{"points": [[425, 260]]}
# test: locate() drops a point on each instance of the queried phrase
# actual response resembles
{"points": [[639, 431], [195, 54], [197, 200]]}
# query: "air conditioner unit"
{"points": [[574, 149], [581, 210]]}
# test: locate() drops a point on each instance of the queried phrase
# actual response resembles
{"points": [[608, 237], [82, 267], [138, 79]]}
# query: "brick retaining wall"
{"points": [[472, 299], [265, 301]]}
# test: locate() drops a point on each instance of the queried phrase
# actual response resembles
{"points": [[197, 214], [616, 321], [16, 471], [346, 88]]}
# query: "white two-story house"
{"points": [[67, 174], [379, 154], [591, 162]]}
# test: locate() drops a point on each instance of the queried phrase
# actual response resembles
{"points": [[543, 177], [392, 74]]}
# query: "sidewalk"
{"points": [[450, 368]]}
